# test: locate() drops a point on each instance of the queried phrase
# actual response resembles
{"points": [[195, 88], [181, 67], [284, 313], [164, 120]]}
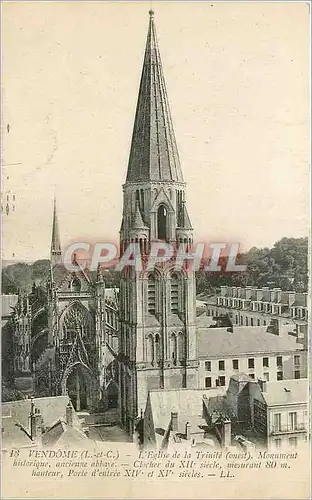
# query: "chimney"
{"points": [[291, 298], [278, 294], [227, 433], [262, 384], [69, 414], [187, 430], [174, 421], [274, 327], [35, 421], [248, 292]]}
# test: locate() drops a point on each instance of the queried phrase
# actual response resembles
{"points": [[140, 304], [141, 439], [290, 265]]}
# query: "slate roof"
{"points": [[285, 392], [12, 435], [187, 402], [51, 408], [61, 434], [216, 342]]}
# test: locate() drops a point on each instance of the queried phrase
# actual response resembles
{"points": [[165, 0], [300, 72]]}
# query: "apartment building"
{"points": [[280, 412], [251, 350], [252, 306]]}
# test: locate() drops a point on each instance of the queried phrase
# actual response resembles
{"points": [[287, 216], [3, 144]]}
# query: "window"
{"points": [[258, 322], [277, 420], [221, 365], [297, 360], [246, 320], [251, 322], [173, 347], [174, 293], [151, 294], [265, 362], [251, 362], [297, 374], [235, 364], [293, 442], [266, 376], [279, 376], [162, 223], [252, 376], [293, 420], [264, 322], [278, 443], [207, 382], [222, 381], [157, 349], [208, 366], [279, 360]]}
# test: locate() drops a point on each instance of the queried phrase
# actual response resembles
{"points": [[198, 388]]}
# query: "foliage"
{"points": [[23, 276], [9, 393], [284, 266]]}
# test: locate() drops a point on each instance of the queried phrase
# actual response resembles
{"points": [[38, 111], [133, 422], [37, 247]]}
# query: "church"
{"points": [[107, 348]]}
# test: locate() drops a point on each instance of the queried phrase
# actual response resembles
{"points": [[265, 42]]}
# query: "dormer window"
{"points": [[75, 285]]}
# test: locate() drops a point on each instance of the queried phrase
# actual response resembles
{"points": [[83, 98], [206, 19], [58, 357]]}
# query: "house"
{"points": [[280, 412], [178, 417], [253, 350], [251, 306], [41, 422]]}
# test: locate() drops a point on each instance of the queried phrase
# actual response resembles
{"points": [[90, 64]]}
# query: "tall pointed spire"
{"points": [[56, 251], [154, 154]]}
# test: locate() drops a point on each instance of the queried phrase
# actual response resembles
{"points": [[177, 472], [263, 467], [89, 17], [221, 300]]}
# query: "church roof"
{"points": [[154, 154]]}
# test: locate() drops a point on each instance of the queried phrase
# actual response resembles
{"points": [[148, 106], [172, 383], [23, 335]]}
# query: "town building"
{"points": [[46, 422], [280, 412], [223, 352], [247, 414], [252, 306]]}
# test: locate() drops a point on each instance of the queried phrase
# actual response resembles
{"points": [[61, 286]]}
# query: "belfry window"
{"points": [[151, 294], [162, 215], [174, 294]]}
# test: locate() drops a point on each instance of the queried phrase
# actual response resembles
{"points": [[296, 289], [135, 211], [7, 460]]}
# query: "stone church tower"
{"points": [[157, 308]]}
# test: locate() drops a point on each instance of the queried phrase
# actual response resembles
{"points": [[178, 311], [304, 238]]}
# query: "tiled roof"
{"points": [[244, 340], [286, 392]]}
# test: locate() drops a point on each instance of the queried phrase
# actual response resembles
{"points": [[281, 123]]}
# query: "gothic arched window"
{"points": [[150, 349], [173, 347], [157, 349], [151, 294], [162, 215], [181, 347]]}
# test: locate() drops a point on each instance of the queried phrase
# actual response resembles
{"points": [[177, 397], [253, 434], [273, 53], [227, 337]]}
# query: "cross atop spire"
{"points": [[56, 251], [154, 154]]}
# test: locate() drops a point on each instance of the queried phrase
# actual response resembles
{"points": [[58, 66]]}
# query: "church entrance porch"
{"points": [[77, 389], [79, 384]]}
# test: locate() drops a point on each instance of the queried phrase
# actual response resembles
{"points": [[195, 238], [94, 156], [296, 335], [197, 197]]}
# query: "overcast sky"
{"points": [[237, 79]]}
